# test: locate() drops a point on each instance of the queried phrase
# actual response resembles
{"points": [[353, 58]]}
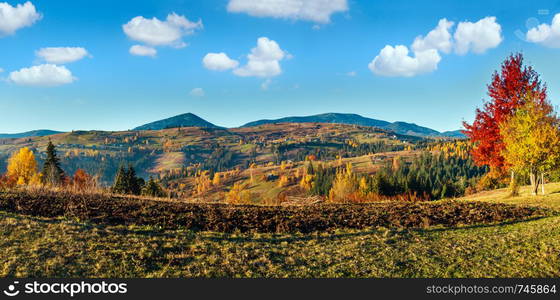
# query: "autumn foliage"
{"points": [[82, 180], [506, 91], [532, 140], [22, 168]]}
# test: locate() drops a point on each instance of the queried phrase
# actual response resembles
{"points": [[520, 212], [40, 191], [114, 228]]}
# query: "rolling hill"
{"points": [[355, 119], [40, 132], [183, 120]]}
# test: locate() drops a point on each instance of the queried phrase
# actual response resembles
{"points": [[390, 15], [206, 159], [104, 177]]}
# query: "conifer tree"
{"points": [[120, 185], [126, 181], [52, 172], [153, 189], [134, 183]]}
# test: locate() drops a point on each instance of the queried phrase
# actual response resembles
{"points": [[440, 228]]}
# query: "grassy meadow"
{"points": [[56, 247]]}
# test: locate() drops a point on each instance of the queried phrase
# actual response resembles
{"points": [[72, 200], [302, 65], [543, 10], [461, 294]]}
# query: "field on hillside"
{"points": [[169, 151], [72, 248]]}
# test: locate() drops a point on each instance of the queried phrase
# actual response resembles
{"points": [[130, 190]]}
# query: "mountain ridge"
{"points": [[355, 119], [32, 133], [192, 120]]}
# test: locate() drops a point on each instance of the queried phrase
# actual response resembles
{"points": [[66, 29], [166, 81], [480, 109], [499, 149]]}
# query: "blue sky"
{"points": [[314, 61]]}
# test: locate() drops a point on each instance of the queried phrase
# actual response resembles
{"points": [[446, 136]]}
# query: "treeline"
{"points": [[330, 151], [23, 170], [126, 182], [434, 175], [427, 177]]}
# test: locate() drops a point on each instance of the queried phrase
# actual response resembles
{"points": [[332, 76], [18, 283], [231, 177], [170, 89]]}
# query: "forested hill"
{"points": [[184, 120]]}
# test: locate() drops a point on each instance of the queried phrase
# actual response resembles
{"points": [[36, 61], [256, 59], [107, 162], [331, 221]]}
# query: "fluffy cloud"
{"points": [[263, 61], [140, 50], [155, 32], [13, 18], [197, 92], [46, 75], [219, 62], [439, 38], [318, 11], [61, 55], [395, 61], [547, 35], [477, 37]]}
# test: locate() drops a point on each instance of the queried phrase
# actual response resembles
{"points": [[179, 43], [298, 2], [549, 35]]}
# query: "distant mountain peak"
{"points": [[355, 119], [182, 120]]}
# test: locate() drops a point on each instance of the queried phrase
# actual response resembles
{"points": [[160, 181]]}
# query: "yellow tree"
{"points": [[345, 184], [238, 195], [202, 182], [283, 181], [217, 179], [22, 167], [532, 140]]}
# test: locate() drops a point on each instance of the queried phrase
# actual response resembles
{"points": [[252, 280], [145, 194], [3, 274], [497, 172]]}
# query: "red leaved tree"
{"points": [[506, 92]]}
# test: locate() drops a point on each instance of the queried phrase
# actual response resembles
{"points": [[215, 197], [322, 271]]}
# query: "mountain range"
{"points": [[192, 120], [355, 119]]}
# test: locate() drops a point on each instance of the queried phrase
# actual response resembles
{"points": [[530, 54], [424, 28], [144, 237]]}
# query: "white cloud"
{"points": [[264, 60], [61, 55], [547, 35], [140, 50], [197, 92], [351, 74], [219, 62], [13, 18], [395, 61], [439, 38], [47, 75], [318, 11], [155, 32], [477, 37]]}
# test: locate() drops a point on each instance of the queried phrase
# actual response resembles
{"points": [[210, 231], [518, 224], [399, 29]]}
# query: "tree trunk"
{"points": [[542, 181], [534, 183], [537, 182], [512, 177]]}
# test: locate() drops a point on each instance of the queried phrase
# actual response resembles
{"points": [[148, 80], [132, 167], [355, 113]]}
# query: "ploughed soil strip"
{"points": [[111, 210]]}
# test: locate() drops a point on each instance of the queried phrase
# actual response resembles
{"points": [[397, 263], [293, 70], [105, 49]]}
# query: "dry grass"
{"points": [[551, 199], [54, 247]]}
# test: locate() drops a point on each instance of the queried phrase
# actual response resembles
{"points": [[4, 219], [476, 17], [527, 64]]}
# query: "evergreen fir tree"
{"points": [[153, 189], [121, 185], [52, 172], [134, 184]]}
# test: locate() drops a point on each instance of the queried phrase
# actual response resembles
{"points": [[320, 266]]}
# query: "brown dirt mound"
{"points": [[106, 209]]}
